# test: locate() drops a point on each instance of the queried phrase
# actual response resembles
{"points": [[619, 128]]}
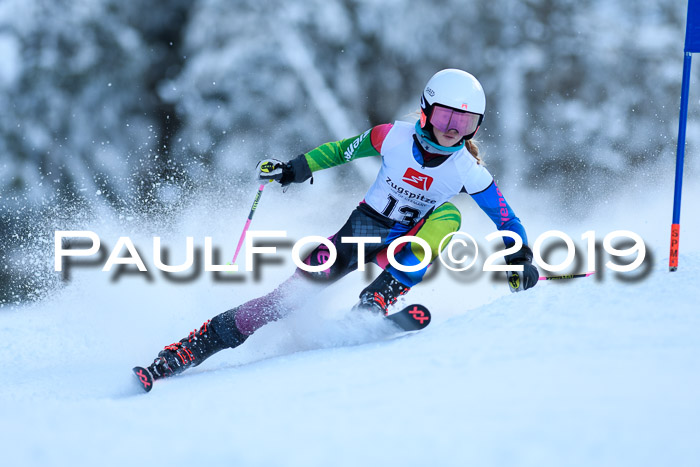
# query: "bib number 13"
{"points": [[410, 215]]}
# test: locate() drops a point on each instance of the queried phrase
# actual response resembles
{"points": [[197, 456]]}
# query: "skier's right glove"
{"points": [[268, 170], [528, 277], [295, 171]]}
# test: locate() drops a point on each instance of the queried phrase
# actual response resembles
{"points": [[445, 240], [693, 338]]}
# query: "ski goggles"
{"points": [[446, 119]]}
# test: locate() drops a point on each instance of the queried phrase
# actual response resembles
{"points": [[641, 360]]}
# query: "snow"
{"points": [[596, 371]]}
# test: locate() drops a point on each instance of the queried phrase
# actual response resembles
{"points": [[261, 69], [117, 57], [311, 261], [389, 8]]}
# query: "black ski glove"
{"points": [[295, 171], [528, 277]]}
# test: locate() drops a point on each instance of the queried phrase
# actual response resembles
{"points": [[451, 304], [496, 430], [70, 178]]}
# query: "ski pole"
{"points": [[567, 276], [247, 224]]}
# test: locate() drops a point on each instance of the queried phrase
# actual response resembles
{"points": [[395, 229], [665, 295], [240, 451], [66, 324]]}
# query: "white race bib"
{"points": [[405, 191]]}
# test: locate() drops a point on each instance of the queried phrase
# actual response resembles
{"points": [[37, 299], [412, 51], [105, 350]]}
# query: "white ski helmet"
{"points": [[456, 90]]}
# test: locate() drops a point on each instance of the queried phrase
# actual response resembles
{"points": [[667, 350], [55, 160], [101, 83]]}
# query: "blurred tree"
{"points": [[83, 126]]}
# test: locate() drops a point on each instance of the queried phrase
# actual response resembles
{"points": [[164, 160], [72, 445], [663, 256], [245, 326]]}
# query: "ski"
{"points": [[145, 378], [411, 318]]}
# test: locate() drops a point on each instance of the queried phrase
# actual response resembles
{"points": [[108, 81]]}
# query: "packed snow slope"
{"points": [[602, 371]]}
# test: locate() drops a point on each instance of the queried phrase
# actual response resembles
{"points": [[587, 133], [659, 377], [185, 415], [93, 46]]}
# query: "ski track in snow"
{"points": [[594, 371]]}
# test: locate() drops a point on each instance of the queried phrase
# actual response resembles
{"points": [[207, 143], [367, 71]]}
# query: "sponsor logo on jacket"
{"points": [[417, 179], [407, 194], [505, 214], [350, 151]]}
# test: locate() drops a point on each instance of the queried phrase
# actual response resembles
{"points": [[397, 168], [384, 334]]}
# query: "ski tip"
{"points": [[420, 315], [144, 377], [412, 318]]}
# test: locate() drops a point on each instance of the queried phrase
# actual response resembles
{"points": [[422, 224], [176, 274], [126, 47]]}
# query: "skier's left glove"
{"points": [[295, 171], [528, 277]]}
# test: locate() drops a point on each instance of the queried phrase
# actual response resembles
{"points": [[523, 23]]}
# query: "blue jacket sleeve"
{"points": [[494, 204]]}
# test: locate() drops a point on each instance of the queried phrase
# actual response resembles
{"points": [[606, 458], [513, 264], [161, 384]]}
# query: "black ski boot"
{"points": [[188, 352], [216, 334], [381, 293], [198, 346]]}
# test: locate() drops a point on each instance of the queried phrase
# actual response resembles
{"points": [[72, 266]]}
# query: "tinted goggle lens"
{"points": [[446, 119]]}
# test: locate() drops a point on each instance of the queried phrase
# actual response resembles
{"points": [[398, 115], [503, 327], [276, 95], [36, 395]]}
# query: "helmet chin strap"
{"points": [[432, 146]]}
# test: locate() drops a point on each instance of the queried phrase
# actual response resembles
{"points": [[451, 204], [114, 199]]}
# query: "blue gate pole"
{"points": [[680, 156]]}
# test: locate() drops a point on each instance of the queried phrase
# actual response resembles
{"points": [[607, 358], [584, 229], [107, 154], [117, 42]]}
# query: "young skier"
{"points": [[423, 167]]}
